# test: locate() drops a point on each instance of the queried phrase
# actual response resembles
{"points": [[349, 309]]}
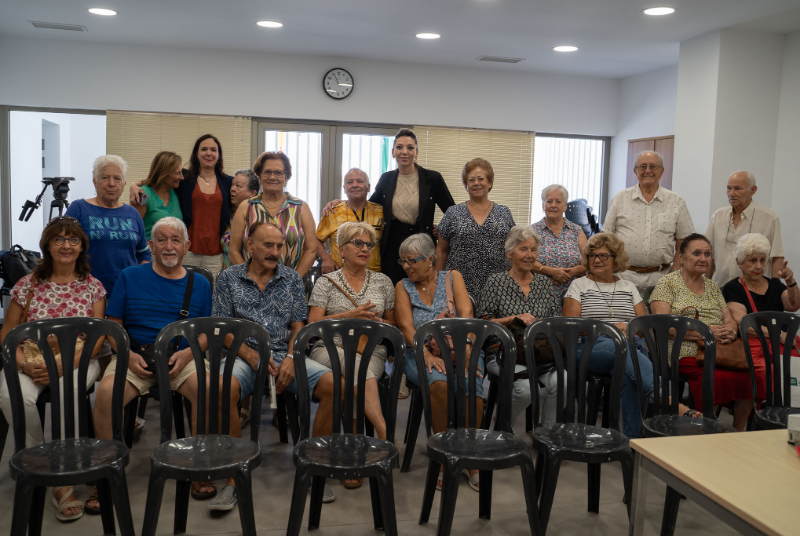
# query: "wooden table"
{"points": [[749, 480]]}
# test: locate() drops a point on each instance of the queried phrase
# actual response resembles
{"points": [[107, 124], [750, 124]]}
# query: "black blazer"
{"points": [[185, 190], [432, 191]]}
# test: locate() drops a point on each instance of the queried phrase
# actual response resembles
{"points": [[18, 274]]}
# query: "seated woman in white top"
{"points": [[604, 296]]}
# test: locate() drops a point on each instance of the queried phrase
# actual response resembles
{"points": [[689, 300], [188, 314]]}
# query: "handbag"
{"points": [[15, 264], [33, 354], [729, 356], [362, 341], [543, 354], [449, 311]]}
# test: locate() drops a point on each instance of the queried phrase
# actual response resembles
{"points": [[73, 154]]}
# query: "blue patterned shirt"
{"points": [[282, 303]]}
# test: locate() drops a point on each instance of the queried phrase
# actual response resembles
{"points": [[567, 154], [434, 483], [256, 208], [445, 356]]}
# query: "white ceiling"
{"points": [[615, 38]]}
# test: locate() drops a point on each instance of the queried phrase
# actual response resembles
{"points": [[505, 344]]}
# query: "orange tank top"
{"points": [[204, 230]]}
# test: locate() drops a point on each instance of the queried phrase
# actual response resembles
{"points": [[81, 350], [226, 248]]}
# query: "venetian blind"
{"points": [[446, 150], [137, 137]]}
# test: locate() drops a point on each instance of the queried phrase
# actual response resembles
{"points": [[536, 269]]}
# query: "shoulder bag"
{"points": [[729, 356]]}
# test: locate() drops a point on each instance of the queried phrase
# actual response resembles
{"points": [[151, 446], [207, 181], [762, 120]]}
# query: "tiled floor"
{"points": [[351, 513]]}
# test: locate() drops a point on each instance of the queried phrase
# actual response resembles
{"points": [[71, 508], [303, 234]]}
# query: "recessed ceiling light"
{"points": [[101, 11], [565, 48], [428, 36], [655, 11], [269, 24]]}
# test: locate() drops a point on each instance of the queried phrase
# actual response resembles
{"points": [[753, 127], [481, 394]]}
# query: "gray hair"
{"points": [[170, 222], [253, 184], [418, 244], [357, 170], [109, 159], [552, 188], [751, 243], [351, 229], [638, 156], [751, 179], [519, 234]]}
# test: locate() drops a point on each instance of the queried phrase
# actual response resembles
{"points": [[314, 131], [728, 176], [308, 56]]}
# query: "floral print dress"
{"points": [[560, 251]]}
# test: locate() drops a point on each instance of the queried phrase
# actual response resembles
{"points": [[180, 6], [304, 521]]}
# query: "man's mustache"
{"points": [[272, 258]]}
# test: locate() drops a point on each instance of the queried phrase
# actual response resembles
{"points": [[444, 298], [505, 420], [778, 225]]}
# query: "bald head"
{"points": [[356, 185], [649, 167]]}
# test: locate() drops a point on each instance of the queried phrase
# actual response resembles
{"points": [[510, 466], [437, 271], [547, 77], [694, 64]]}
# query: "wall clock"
{"points": [[338, 83]]}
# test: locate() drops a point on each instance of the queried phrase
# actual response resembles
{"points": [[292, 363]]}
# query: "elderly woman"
{"points": [[116, 231], [471, 234], [562, 242], [519, 294], [277, 206], [422, 297], [687, 292], [244, 186], [603, 295], [60, 286], [165, 175], [355, 292]]}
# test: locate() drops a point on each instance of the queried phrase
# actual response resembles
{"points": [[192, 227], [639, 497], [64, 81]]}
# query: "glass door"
{"points": [[366, 148]]}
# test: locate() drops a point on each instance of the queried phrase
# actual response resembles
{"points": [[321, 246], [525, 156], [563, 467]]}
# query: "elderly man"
{"points": [[146, 298], [355, 209], [652, 221], [728, 224], [269, 293]]}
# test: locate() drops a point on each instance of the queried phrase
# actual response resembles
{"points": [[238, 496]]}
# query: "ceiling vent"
{"points": [[500, 59], [59, 26]]}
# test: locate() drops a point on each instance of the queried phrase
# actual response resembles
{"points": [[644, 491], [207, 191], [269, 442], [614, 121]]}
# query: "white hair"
{"points": [[519, 234], [109, 159], [751, 243], [170, 222], [638, 156], [418, 244], [552, 188], [751, 179], [357, 170]]}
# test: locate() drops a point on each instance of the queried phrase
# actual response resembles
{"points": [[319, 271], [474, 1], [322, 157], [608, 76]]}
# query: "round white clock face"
{"points": [[338, 83]]}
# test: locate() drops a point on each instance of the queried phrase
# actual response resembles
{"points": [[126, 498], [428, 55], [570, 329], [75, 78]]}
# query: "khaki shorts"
{"points": [[375, 369], [143, 385]]}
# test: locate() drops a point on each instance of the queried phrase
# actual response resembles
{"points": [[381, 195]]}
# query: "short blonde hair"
{"points": [[614, 245], [751, 243], [519, 234], [351, 229]]}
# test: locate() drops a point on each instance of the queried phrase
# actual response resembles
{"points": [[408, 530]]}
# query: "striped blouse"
{"points": [[289, 219], [612, 302]]}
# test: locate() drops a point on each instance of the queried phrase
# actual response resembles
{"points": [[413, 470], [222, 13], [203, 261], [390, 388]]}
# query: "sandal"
{"points": [[474, 480], [92, 510], [205, 495], [404, 392], [62, 503], [693, 413], [244, 417], [353, 483]]}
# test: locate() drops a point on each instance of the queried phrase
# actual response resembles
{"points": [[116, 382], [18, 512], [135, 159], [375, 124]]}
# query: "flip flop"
{"points": [[62, 503], [474, 480], [93, 511], [208, 494], [693, 413]]}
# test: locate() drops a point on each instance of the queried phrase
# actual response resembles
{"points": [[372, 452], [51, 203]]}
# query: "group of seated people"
{"points": [[137, 278]]}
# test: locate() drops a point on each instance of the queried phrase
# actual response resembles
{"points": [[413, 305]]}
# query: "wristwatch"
{"points": [[19, 369]]}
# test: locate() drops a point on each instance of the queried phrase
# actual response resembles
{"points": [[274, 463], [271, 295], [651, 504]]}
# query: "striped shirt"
{"points": [[599, 299]]}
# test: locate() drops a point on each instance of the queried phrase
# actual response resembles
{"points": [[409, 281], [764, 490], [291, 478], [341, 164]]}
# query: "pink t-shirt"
{"points": [[51, 300]]}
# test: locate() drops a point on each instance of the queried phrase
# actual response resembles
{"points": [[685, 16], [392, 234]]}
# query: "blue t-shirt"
{"points": [[147, 302], [116, 239]]}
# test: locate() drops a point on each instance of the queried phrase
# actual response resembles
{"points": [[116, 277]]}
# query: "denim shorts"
{"points": [[243, 372], [412, 374]]}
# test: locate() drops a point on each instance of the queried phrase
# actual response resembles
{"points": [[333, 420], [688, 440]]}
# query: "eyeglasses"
{"points": [[403, 262], [360, 243], [602, 256], [73, 240], [278, 174], [645, 167]]}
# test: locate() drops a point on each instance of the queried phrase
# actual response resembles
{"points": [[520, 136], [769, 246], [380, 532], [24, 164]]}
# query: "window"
{"points": [[576, 163], [304, 150], [370, 153]]}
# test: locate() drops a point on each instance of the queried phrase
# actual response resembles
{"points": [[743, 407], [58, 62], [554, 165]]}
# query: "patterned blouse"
{"points": [[560, 251], [53, 300], [290, 221], [477, 251], [672, 289]]}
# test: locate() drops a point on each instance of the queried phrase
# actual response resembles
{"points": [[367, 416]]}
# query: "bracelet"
{"points": [[792, 285]]}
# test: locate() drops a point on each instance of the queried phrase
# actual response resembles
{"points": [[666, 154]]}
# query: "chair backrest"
{"points": [[571, 328], [779, 391], [310, 279], [66, 332], [202, 271], [460, 381], [655, 330], [216, 330], [350, 331]]}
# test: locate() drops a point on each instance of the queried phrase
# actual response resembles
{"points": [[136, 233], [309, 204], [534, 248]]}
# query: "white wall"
{"points": [[647, 105], [121, 77], [786, 182]]}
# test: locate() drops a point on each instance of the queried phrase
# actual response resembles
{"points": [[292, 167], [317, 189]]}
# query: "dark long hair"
{"points": [[70, 227], [194, 162]]}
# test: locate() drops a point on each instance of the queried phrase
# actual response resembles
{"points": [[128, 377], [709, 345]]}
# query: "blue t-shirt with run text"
{"points": [[146, 302], [116, 239]]}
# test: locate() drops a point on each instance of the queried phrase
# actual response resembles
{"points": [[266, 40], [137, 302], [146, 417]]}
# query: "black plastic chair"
{"points": [[578, 441], [777, 407], [667, 420], [310, 279], [460, 448], [206, 457], [349, 454], [75, 459], [206, 273]]}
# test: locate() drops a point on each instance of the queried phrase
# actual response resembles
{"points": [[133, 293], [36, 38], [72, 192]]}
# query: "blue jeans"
{"points": [[412, 374], [601, 361]]}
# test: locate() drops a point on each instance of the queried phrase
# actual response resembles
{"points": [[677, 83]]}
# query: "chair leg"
{"points": [[529, 418], [429, 491], [413, 430], [551, 467], [182, 493], [122, 503], [410, 413], [593, 470], [155, 494], [485, 494], [539, 473], [671, 504], [377, 507], [23, 501], [528, 484], [627, 479], [37, 511], [606, 405], [386, 492], [594, 392], [244, 493], [447, 504], [280, 415], [177, 414], [491, 402], [3, 433], [130, 420], [142, 407], [291, 411], [301, 481], [315, 508], [106, 506]]}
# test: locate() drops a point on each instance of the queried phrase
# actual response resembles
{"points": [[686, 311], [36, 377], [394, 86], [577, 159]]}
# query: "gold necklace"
{"points": [[481, 209], [429, 286], [208, 181]]}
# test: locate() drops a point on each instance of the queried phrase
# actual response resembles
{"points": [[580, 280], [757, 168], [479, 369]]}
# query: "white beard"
{"points": [[169, 263]]}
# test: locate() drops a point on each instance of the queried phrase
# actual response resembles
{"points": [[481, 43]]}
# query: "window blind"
{"points": [[446, 150], [137, 137]]}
